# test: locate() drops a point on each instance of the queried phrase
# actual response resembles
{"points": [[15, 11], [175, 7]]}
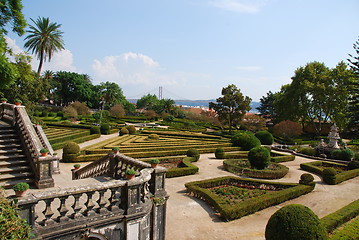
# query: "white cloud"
{"points": [[242, 6], [60, 61], [249, 68]]}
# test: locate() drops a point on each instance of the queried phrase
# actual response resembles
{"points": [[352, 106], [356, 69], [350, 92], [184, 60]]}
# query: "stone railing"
{"points": [[42, 167], [71, 213]]}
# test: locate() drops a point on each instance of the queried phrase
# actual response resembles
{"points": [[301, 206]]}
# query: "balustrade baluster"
{"points": [[76, 206], [62, 209], [48, 213], [114, 201], [101, 201], [89, 204]]}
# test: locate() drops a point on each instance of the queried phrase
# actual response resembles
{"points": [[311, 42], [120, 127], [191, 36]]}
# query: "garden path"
{"points": [[189, 218]]}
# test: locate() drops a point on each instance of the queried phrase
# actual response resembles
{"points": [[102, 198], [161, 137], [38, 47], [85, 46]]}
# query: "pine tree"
{"points": [[353, 109]]}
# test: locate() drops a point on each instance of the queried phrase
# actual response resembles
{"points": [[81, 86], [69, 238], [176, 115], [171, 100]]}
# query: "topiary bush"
{"points": [[193, 153], [259, 157], [294, 222], [353, 165], [308, 151], [219, 153], [245, 140], [70, 152], [307, 179], [105, 129], [329, 176], [95, 130], [153, 136], [265, 137], [342, 154], [131, 129], [123, 131]]}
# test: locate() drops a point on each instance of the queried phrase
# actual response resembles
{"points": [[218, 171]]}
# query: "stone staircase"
{"points": [[14, 167]]}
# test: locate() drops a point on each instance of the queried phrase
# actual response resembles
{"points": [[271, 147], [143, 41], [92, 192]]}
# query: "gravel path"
{"points": [[190, 218]]}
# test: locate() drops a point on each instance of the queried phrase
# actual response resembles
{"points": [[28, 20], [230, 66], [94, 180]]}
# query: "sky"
{"points": [[194, 48]]}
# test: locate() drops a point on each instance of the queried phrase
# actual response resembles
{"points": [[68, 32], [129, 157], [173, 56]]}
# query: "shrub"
{"points": [[52, 114], [353, 165], [154, 161], [259, 157], [70, 111], [123, 131], [70, 152], [294, 222], [245, 140], [117, 111], [95, 130], [307, 179], [130, 171], [44, 114], [342, 154], [193, 153], [10, 220], [153, 136], [22, 186], [220, 154], [265, 137], [308, 151], [169, 118], [105, 129], [329, 176], [287, 129], [80, 108], [131, 129]]}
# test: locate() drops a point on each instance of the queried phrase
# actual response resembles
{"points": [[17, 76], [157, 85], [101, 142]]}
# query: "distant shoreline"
{"points": [[202, 103]]}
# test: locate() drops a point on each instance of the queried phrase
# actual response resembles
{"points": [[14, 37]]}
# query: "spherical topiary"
{"points": [[307, 179], [259, 157], [193, 153], [245, 140], [131, 129], [220, 154], [95, 130], [294, 222], [123, 131], [70, 152], [353, 165], [265, 137], [342, 154], [105, 129], [329, 176]]}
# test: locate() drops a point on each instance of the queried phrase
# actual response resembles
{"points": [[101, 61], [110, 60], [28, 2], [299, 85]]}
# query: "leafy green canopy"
{"points": [[353, 110], [232, 106]]}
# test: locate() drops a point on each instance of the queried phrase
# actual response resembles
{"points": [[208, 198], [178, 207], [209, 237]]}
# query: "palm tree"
{"points": [[44, 39]]}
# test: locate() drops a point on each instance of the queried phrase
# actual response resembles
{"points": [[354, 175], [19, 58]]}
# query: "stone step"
{"points": [[12, 157], [10, 145], [11, 151], [13, 162], [10, 183], [8, 136], [14, 168], [13, 176]]}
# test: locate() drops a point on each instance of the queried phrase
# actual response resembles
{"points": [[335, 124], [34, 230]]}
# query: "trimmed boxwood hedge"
{"points": [[189, 168], [343, 215], [338, 178], [76, 140], [281, 158], [235, 211], [349, 231], [231, 166]]}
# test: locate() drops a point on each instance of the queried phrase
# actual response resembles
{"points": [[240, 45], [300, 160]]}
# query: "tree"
{"points": [[253, 123], [10, 13], [117, 111], [317, 94], [287, 129], [267, 106], [148, 102], [353, 110], [70, 86], [232, 106], [44, 39]]}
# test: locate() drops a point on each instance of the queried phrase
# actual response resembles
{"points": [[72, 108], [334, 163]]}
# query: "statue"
{"points": [[333, 137]]}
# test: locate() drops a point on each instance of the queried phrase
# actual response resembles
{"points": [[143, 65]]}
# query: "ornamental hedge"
{"points": [[245, 140], [200, 189], [187, 168], [317, 167], [265, 137], [240, 167]]}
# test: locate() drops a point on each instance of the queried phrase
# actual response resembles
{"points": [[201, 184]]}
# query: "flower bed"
{"points": [[260, 194], [342, 173], [243, 168]]}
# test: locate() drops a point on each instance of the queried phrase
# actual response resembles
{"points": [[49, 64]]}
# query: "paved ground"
{"points": [[190, 218]]}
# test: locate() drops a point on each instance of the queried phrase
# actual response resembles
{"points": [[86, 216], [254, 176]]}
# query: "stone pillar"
{"points": [[44, 166]]}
